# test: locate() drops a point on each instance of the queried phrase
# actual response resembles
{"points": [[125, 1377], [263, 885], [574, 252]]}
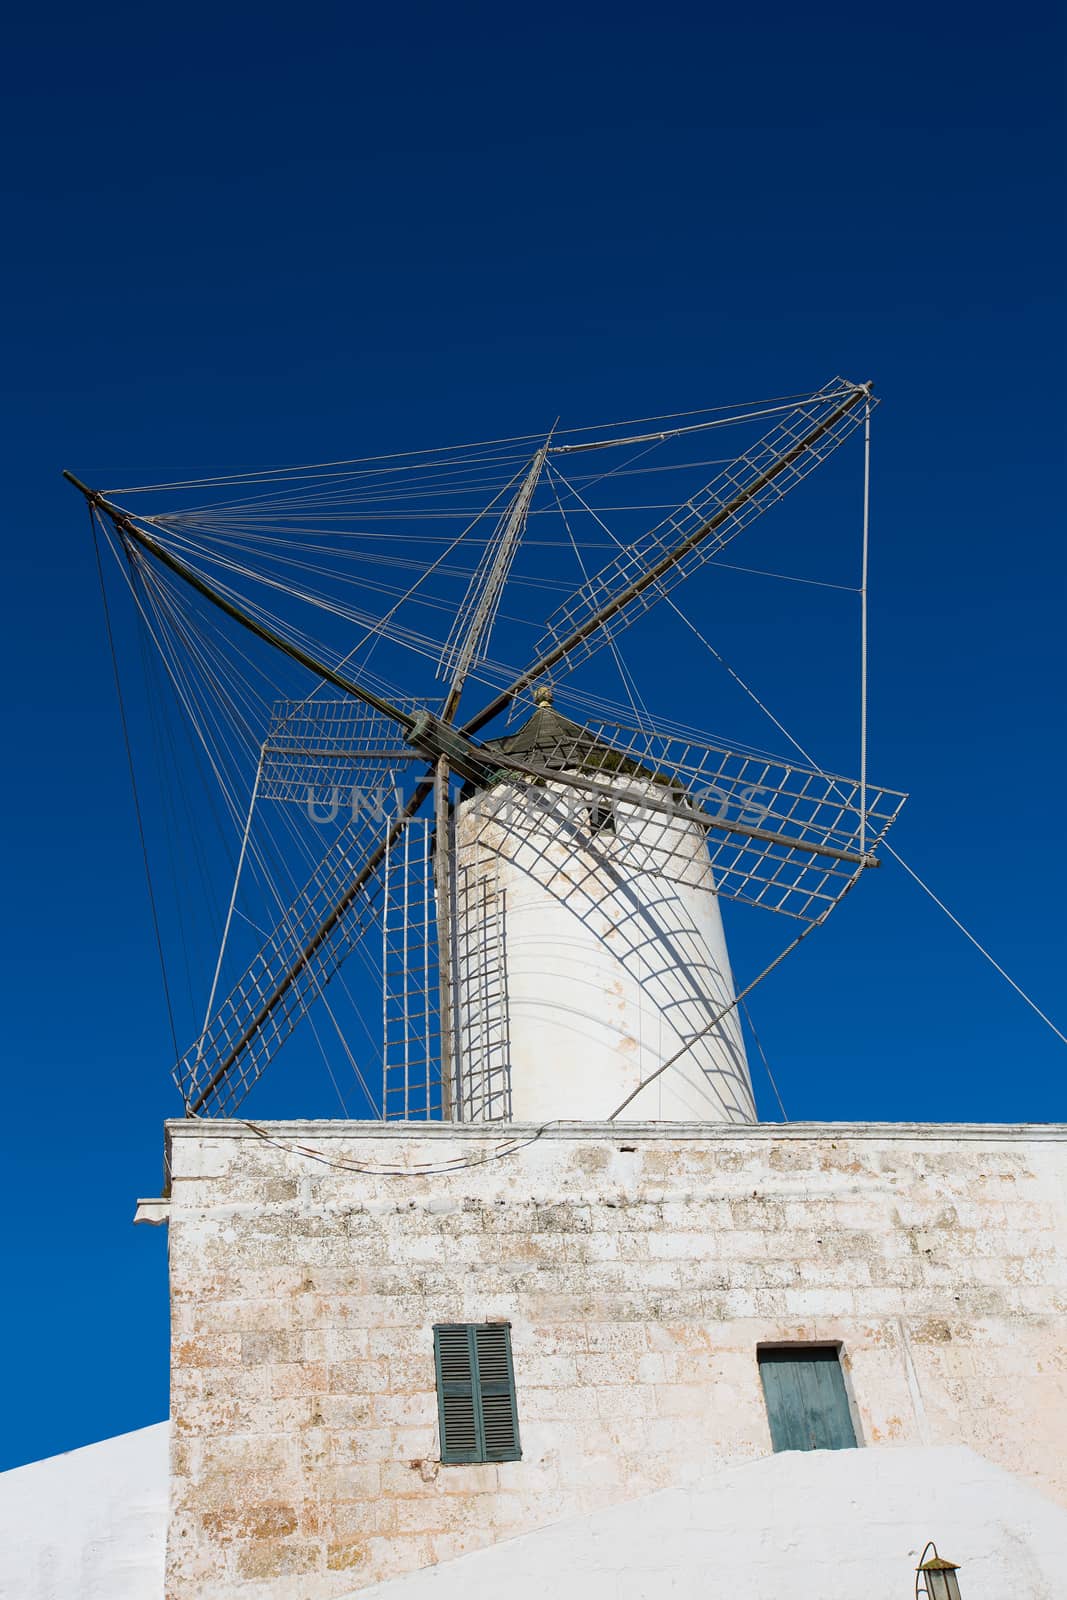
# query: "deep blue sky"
{"points": [[243, 236]]}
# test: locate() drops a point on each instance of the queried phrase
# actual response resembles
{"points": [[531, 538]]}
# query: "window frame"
{"points": [[478, 1389]]}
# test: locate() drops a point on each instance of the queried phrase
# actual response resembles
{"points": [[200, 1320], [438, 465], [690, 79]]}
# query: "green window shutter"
{"points": [[476, 1392], [807, 1405], [496, 1389], [456, 1411]]}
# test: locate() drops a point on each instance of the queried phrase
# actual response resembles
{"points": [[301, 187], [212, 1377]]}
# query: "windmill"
{"points": [[546, 896]]}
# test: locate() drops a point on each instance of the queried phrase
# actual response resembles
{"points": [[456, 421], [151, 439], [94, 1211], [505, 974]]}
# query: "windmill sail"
{"points": [[317, 750], [332, 913], [657, 562], [779, 836]]}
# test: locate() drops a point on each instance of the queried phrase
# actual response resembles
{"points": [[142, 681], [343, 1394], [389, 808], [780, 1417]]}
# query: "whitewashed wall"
{"points": [[88, 1525], [91, 1525], [824, 1525], [614, 952], [639, 1266]]}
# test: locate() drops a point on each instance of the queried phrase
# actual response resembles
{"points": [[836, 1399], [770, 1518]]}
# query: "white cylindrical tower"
{"points": [[589, 948]]}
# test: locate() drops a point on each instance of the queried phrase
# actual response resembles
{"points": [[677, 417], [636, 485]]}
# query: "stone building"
{"points": [[501, 1340], [526, 1349], [658, 1281]]}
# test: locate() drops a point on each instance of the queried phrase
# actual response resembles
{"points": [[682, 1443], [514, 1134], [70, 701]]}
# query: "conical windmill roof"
{"points": [[549, 740]]}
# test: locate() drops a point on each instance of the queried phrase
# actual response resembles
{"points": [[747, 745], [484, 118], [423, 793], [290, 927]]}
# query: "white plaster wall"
{"points": [[615, 955], [640, 1267], [844, 1525], [90, 1524]]}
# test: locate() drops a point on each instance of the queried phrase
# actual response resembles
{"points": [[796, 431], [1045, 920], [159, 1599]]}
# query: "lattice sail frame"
{"points": [[649, 782], [337, 759], [316, 748], [797, 814], [683, 530], [411, 992], [720, 789], [340, 759], [776, 872], [481, 1038], [269, 999]]}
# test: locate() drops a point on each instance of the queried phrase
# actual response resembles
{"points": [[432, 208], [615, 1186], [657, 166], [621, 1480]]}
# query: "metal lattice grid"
{"points": [[780, 836], [411, 1008], [482, 1033], [591, 872], [325, 922], [692, 536], [326, 752]]}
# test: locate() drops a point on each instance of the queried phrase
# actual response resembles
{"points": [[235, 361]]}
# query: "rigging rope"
{"points": [[194, 652], [176, 669], [885, 843], [719, 1016], [633, 694], [303, 506], [967, 934], [763, 1057], [133, 777], [814, 764], [446, 454]]}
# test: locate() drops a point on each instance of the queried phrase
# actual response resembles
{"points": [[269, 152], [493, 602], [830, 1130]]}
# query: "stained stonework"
{"points": [[639, 1266]]}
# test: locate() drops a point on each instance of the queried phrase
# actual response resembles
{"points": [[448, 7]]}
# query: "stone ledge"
{"points": [[623, 1132]]}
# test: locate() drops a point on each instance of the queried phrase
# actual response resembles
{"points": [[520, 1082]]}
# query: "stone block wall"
{"points": [[640, 1266]]}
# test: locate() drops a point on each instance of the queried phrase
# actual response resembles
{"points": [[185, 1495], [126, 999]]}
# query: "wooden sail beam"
{"points": [[366, 872], [495, 581], [443, 870], [189, 575], [860, 396], [307, 953], [670, 807]]}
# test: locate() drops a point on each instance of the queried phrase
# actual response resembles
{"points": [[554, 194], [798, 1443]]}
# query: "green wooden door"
{"points": [[806, 1401]]}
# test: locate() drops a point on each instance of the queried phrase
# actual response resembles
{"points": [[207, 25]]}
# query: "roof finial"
{"points": [[543, 694]]}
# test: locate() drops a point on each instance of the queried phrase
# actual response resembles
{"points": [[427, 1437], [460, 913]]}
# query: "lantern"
{"points": [[938, 1576]]}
